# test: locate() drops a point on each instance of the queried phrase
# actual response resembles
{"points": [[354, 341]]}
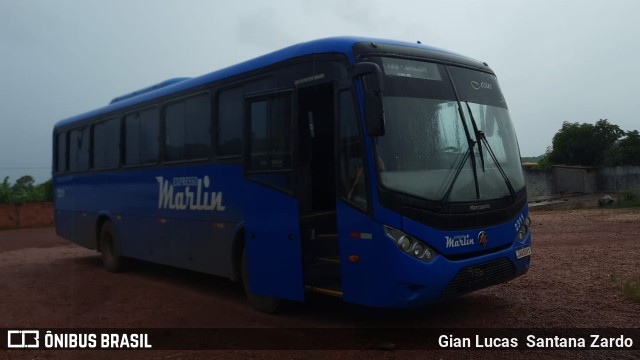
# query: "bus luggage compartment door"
{"points": [[273, 250]]}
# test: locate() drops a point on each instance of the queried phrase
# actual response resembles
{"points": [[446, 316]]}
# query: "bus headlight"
{"points": [[404, 243], [410, 246], [417, 249], [524, 229]]}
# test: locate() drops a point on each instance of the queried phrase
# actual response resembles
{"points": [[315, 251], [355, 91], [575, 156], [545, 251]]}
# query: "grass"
{"points": [[629, 198], [631, 288]]}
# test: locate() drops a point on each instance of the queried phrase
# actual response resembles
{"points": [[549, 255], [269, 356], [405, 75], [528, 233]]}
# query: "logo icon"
{"points": [[23, 339], [481, 85], [483, 239]]}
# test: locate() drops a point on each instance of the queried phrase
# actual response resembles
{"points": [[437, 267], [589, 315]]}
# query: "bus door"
{"points": [[353, 205], [316, 187], [272, 228]]}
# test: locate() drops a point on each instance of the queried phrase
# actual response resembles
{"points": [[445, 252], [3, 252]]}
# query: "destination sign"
{"points": [[411, 69]]}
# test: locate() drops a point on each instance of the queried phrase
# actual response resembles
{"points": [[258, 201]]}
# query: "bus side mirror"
{"points": [[373, 109]]}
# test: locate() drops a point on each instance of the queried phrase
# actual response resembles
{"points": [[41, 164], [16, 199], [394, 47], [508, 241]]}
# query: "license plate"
{"points": [[524, 252]]}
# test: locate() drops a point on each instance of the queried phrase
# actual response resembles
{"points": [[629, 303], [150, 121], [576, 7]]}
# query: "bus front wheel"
{"points": [[265, 304], [112, 260]]}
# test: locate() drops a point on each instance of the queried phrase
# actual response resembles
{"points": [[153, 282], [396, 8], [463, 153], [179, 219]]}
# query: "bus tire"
{"points": [[265, 304], [112, 260]]}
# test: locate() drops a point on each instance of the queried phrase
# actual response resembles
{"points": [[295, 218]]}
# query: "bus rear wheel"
{"points": [[265, 304], [112, 260]]}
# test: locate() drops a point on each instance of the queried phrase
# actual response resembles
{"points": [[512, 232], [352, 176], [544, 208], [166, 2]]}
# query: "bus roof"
{"points": [[343, 45]]}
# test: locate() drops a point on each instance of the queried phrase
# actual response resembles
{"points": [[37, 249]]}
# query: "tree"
{"points": [[25, 182], [40, 193], [24, 190], [626, 151], [583, 144], [545, 162], [5, 191]]}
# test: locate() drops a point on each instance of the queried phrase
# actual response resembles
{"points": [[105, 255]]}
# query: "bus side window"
{"points": [[351, 162], [142, 131], [61, 153], [79, 150], [269, 140], [188, 129], [230, 115], [106, 144], [259, 159]]}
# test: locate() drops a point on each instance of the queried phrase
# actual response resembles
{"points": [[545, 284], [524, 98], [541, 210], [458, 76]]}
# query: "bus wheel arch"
{"points": [[109, 248], [99, 223]]}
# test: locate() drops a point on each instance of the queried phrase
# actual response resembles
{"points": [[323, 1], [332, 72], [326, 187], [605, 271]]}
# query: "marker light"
{"points": [[409, 245]]}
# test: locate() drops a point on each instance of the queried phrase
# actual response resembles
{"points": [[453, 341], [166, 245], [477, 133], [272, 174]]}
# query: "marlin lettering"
{"points": [[187, 199]]}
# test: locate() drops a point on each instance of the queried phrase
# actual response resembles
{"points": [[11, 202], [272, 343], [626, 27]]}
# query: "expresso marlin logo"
{"points": [[458, 241], [188, 193]]}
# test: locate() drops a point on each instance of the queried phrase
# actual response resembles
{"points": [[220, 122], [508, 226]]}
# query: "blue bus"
{"points": [[382, 172]]}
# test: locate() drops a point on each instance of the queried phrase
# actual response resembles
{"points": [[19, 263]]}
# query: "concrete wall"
{"points": [[583, 180], [619, 178], [539, 183], [26, 215], [575, 180]]}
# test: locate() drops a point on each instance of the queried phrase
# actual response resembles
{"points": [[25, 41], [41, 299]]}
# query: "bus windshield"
{"points": [[448, 134]]}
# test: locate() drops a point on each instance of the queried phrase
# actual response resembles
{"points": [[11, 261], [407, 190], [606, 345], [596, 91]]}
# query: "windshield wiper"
{"points": [[469, 154], [480, 137], [447, 194]]}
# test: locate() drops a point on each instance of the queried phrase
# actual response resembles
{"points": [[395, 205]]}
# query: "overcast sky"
{"points": [[556, 61]]}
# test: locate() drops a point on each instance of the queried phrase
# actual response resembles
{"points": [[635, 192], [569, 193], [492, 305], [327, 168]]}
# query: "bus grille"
{"points": [[480, 276]]}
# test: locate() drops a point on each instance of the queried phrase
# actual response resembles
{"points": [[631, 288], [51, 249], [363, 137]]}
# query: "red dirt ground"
{"points": [[579, 259]]}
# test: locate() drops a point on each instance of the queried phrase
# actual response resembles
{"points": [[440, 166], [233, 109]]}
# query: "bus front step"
{"points": [[324, 267], [327, 236], [323, 276], [328, 259], [323, 245], [324, 291], [319, 215]]}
